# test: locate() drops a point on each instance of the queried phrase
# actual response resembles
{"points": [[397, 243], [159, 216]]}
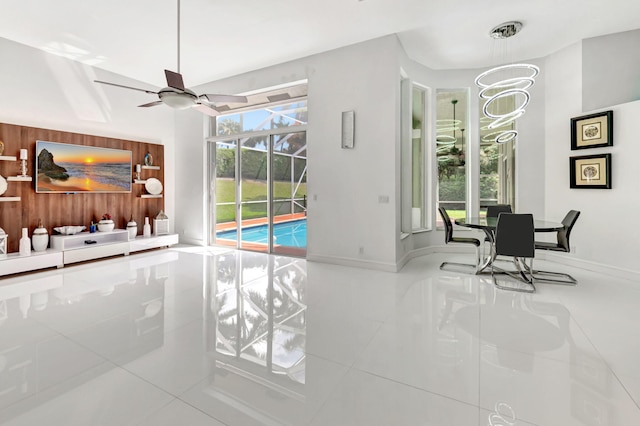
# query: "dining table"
{"points": [[488, 226]]}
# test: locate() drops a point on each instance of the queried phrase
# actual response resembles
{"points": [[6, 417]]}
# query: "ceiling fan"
{"points": [[176, 96]]}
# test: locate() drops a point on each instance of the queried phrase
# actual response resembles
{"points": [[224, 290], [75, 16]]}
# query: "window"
{"points": [[415, 216], [497, 161], [451, 151], [268, 118]]}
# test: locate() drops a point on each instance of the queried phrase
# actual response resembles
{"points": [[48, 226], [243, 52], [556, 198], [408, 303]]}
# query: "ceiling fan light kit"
{"points": [[176, 96], [178, 100]]}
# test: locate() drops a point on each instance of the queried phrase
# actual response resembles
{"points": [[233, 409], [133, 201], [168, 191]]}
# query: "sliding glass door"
{"points": [[225, 192], [289, 185], [260, 192], [254, 193]]}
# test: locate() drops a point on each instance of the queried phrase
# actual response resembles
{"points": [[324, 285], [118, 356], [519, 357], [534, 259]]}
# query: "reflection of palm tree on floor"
{"points": [[287, 311]]}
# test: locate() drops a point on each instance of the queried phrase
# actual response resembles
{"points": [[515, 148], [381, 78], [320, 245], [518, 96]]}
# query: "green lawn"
{"points": [[457, 214], [251, 191]]}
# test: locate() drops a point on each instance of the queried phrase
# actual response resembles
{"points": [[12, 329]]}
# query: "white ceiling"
{"points": [[220, 38]]}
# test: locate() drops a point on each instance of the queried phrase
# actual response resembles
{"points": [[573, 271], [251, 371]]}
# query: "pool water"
{"points": [[290, 234]]}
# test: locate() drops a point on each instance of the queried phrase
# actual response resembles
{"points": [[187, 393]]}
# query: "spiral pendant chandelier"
{"points": [[502, 82]]}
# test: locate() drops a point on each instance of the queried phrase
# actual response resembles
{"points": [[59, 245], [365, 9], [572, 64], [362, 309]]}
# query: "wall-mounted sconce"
{"points": [[348, 129]]}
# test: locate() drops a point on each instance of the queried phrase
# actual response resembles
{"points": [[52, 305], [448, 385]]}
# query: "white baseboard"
{"points": [[356, 263], [589, 265]]}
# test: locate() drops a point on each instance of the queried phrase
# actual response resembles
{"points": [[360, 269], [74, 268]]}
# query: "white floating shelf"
{"points": [[151, 196], [2, 199], [151, 167], [139, 181], [19, 178], [8, 158]]}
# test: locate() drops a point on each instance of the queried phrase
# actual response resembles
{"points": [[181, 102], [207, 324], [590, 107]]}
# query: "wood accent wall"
{"points": [[73, 209]]}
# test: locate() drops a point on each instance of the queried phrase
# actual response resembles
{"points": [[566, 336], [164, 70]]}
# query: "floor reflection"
{"points": [[121, 307], [256, 330], [222, 337]]}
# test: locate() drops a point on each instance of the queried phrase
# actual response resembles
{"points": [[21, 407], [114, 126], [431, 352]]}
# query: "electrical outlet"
{"points": [[361, 250], [383, 199]]}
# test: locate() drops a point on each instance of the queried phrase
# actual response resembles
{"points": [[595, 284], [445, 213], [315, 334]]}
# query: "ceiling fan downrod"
{"points": [[178, 70]]}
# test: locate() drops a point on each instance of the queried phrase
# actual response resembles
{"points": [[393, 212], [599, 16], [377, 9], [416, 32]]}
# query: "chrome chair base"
{"points": [[451, 266], [539, 275], [522, 273], [477, 268]]}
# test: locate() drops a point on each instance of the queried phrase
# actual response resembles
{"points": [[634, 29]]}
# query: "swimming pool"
{"points": [[290, 234]]}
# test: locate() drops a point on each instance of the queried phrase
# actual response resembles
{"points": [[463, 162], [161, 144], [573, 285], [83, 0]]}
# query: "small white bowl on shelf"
{"points": [[69, 230]]}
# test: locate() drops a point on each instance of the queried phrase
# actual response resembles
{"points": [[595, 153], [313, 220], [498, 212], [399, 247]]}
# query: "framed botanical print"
{"points": [[590, 171], [592, 131]]}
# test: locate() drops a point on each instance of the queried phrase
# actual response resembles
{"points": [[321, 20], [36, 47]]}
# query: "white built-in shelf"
{"points": [[4, 199], [72, 248], [155, 241], [8, 158], [19, 178], [151, 167], [140, 181], [75, 247], [13, 263], [151, 196]]}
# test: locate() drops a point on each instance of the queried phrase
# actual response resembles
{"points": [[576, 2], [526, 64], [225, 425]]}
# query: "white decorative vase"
{"points": [[106, 225], [25, 243], [146, 229], [40, 239], [132, 228]]}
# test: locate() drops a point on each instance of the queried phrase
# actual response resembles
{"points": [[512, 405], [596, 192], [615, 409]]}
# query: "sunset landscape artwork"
{"points": [[67, 168]]}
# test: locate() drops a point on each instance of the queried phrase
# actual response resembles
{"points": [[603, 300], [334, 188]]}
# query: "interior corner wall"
{"points": [[610, 70], [48, 91], [600, 235], [351, 192]]}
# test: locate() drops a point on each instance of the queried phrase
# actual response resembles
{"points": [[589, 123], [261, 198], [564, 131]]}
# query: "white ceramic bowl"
{"points": [[106, 226], [69, 230]]}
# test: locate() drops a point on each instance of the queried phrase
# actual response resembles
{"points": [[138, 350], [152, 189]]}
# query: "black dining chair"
{"points": [[449, 238], [515, 237], [494, 211], [562, 245]]}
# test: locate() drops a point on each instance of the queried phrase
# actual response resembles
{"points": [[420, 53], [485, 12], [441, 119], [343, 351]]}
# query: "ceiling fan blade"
{"points": [[206, 109], [174, 79], [225, 98], [126, 87], [150, 104]]}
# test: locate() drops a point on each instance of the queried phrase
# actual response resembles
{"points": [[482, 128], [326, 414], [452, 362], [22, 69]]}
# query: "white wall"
{"points": [[190, 180], [616, 56], [344, 186], [603, 233], [43, 90]]}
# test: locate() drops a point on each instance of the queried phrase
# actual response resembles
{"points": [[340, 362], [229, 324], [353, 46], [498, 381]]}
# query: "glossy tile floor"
{"points": [[191, 336]]}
